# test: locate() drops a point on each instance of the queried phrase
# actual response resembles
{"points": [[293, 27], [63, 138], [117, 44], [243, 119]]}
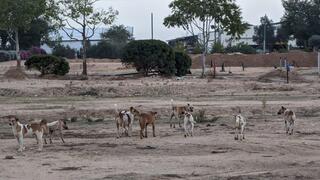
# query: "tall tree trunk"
{"points": [[84, 57], [17, 48], [203, 59]]}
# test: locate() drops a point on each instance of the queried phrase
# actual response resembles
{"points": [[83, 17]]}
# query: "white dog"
{"points": [[21, 130], [240, 123], [124, 121], [188, 124]]}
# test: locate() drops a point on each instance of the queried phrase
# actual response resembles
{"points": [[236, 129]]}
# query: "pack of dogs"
{"points": [[124, 119]]}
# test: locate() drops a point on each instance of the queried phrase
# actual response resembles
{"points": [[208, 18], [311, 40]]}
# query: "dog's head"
{"points": [[64, 124], [187, 114], [134, 111], [282, 110], [153, 113], [189, 108], [13, 120]]}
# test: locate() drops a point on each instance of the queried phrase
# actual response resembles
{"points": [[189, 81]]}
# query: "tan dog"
{"points": [[56, 126], [144, 120], [178, 112], [289, 118], [21, 130], [124, 121]]}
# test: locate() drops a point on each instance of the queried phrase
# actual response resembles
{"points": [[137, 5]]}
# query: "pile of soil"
{"points": [[279, 75], [15, 73], [298, 58]]}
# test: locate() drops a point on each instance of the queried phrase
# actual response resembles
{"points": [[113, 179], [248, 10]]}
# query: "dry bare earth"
{"points": [[93, 152]]}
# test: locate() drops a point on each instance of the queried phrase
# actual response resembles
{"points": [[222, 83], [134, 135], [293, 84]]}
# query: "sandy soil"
{"points": [[91, 150]]}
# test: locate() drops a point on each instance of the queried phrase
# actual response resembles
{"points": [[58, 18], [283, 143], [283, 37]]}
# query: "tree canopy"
{"points": [[204, 16], [81, 17], [301, 19], [18, 14]]}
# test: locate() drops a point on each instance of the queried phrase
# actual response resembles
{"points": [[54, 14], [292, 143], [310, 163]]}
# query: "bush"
{"points": [[64, 51], [242, 48], [105, 49], [47, 64], [183, 63], [314, 42], [217, 48], [150, 55]]}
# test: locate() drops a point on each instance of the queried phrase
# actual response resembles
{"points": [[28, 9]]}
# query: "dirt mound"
{"points": [[298, 58], [280, 75], [15, 73]]}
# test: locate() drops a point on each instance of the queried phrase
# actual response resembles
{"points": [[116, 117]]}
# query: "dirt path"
{"points": [[91, 150]]}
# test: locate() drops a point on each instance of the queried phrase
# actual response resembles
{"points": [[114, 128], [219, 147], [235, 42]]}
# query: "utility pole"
{"points": [[265, 34], [152, 26], [319, 63]]}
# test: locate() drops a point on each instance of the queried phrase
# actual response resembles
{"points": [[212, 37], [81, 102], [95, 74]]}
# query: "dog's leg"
{"points": [[241, 133], [153, 130], [118, 129], [141, 133], [236, 137], [39, 137], [50, 136], [61, 136], [179, 119], [185, 129], [286, 126], [172, 115], [20, 140], [146, 131], [192, 127]]}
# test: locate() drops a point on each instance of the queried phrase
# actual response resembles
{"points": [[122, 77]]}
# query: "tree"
{"points": [[183, 63], [204, 16], [259, 34], [80, 16], [150, 55], [117, 34], [301, 19], [64, 51], [105, 49], [314, 42], [16, 14], [37, 33]]}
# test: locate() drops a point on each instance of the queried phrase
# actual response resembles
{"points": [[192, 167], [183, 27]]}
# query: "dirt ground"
{"points": [[92, 151]]}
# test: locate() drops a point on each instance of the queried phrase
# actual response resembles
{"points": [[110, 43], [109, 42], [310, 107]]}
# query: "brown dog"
{"points": [[178, 112], [144, 120]]}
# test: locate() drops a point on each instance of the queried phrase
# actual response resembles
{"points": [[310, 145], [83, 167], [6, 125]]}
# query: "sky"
{"points": [[137, 13]]}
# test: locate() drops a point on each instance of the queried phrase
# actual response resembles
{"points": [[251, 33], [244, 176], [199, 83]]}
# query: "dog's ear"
{"points": [[188, 104]]}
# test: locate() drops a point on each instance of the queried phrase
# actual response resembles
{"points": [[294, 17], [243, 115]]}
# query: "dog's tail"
{"points": [[171, 102]]}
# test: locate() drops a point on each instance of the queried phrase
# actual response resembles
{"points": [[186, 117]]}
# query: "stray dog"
{"points": [[188, 124], [124, 121], [289, 118], [178, 112], [144, 120], [240, 124], [54, 127], [21, 130]]}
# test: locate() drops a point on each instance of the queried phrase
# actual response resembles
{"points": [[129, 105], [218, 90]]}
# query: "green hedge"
{"points": [[150, 55], [48, 64], [183, 63]]}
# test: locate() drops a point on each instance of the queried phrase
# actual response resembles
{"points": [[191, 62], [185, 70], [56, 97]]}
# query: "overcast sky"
{"points": [[136, 13]]}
